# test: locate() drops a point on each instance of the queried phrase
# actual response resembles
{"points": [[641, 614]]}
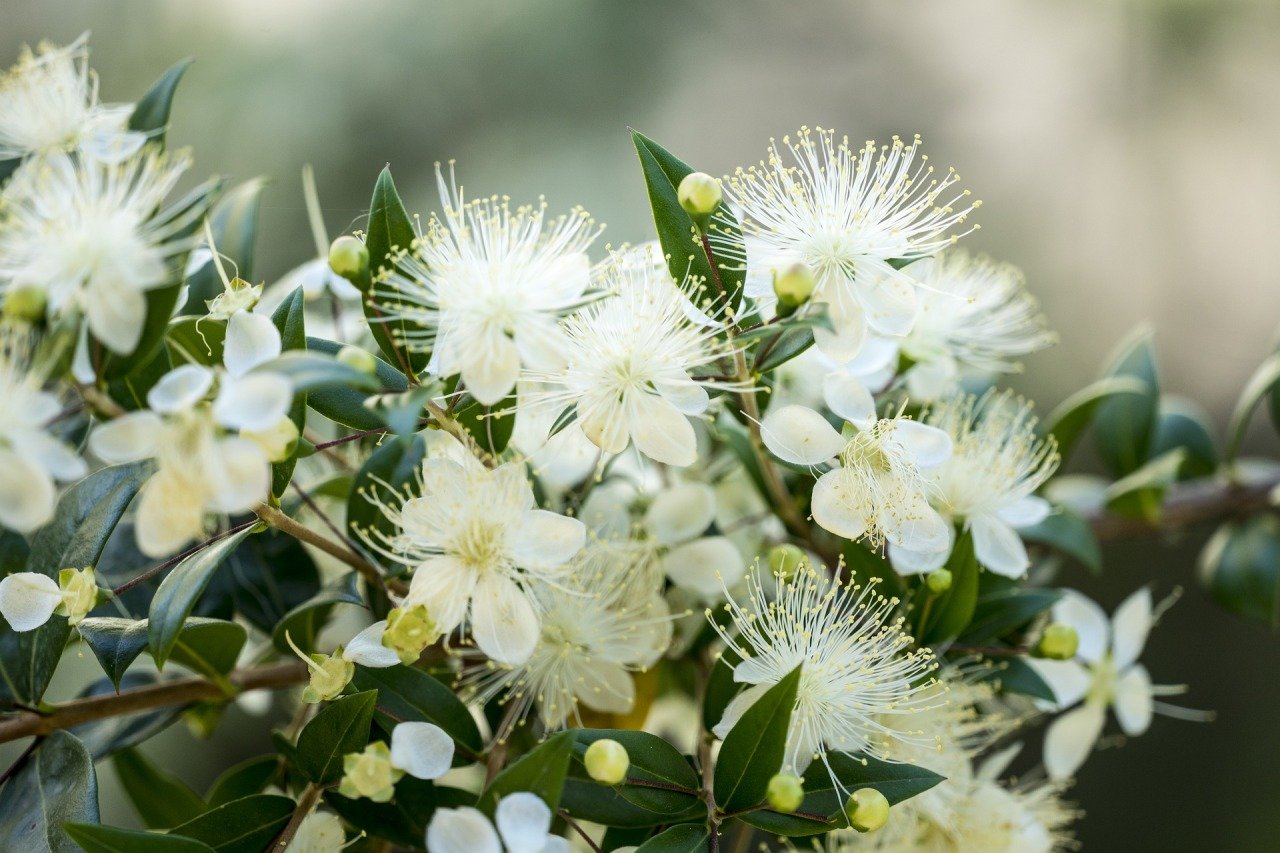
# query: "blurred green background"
{"points": [[1125, 151]]}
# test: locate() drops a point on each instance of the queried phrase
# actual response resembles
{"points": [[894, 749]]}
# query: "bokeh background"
{"points": [[1127, 153]]}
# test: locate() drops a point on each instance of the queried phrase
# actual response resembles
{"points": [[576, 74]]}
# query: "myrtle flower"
{"points": [[49, 103], [475, 541], [998, 463], [87, 236], [603, 622], [523, 824], [213, 448], [488, 285], [1105, 673], [878, 487], [422, 750], [29, 599], [320, 832], [846, 215], [634, 356], [858, 665]]}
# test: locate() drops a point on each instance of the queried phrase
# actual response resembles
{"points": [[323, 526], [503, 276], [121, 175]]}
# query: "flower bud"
{"points": [[938, 581], [1058, 642], [277, 441], [330, 675], [369, 774], [359, 359], [699, 194], [348, 257], [607, 761], [785, 793], [793, 285], [785, 560], [25, 303], [238, 295], [79, 593], [410, 629], [867, 810]]}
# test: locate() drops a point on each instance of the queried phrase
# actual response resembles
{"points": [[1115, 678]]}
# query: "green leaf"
{"points": [[540, 771], [1072, 417], [310, 371], [1264, 381], [345, 405], [151, 113], [952, 610], [652, 760], [404, 819], [1240, 567], [95, 838], [1125, 423], [685, 838], [289, 320], [161, 800], [53, 786], [1014, 675], [390, 229], [341, 727], [246, 825], [1067, 532], [1141, 493], [755, 747], [242, 780], [402, 412], [405, 693], [195, 340], [265, 578], [1181, 423], [721, 688], [586, 799], [303, 622], [676, 232], [396, 465], [1001, 611], [490, 426], [234, 223], [180, 589], [781, 347], [209, 647], [115, 642], [866, 566]]}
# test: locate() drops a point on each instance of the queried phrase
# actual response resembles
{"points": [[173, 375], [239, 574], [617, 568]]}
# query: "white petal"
{"points": [[890, 302], [546, 540], [1068, 680], [607, 509], [366, 648], [877, 355], [606, 687], [127, 438], [1129, 628], [929, 446], [240, 476], [116, 316], [850, 322], [169, 515], [836, 508], [461, 830], [556, 844], [254, 402], [444, 586], [1089, 621], [906, 561], [26, 493], [57, 458], [252, 339], [705, 566], [915, 525], [422, 750], [180, 389], [503, 622], [1133, 702], [683, 393], [524, 822], [28, 599], [801, 436], [491, 371], [605, 425], [1070, 739], [738, 706], [845, 395], [681, 512], [998, 547], [1025, 512], [660, 430]]}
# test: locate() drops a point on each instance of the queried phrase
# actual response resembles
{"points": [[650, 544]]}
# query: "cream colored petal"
{"points": [[127, 438], [1129, 628], [504, 623], [28, 599], [681, 512], [1070, 739], [1133, 701], [660, 430], [444, 586], [423, 750], [838, 509], [252, 339], [461, 830], [26, 493], [801, 436]]}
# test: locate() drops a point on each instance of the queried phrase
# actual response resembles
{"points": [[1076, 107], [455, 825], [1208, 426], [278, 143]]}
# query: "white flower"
{"points": [[524, 824], [489, 285], [878, 488], [423, 750], [604, 621], [559, 461], [49, 103], [86, 234], [1105, 673], [998, 463], [31, 459], [634, 356], [320, 832], [209, 460], [475, 540], [858, 666], [366, 648], [29, 599], [846, 215]]}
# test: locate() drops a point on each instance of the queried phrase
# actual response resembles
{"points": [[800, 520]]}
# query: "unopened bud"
{"points": [[348, 257], [330, 675], [938, 581], [607, 761], [79, 593], [699, 194], [793, 285], [358, 358], [369, 774], [785, 560], [410, 629], [867, 810], [25, 303], [278, 441], [1058, 642], [785, 793]]}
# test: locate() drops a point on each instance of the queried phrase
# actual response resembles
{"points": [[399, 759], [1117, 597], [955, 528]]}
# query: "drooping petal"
{"points": [[504, 623], [461, 830], [1025, 512], [927, 445], [524, 821], [1068, 680], [254, 402], [705, 566], [683, 393], [180, 389], [607, 687], [53, 455], [681, 512], [915, 525], [252, 339], [998, 546], [28, 599], [545, 540], [1129, 628], [801, 436], [1133, 702], [836, 508], [423, 750], [444, 586], [26, 493], [491, 371], [366, 648], [1089, 621], [1070, 739], [846, 395], [660, 430], [240, 475]]}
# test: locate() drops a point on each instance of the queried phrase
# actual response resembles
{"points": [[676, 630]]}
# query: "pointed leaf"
{"points": [[243, 780], [151, 113], [54, 786], [408, 694], [755, 747], [161, 800], [290, 321], [1263, 382], [1067, 532], [1124, 424], [341, 727], [953, 609], [95, 838], [390, 229], [1072, 417], [179, 591], [540, 771], [344, 404], [247, 825], [685, 838]]}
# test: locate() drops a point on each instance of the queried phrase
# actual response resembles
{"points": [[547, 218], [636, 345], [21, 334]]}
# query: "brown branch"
{"points": [[306, 802], [179, 691], [1189, 504], [275, 518]]}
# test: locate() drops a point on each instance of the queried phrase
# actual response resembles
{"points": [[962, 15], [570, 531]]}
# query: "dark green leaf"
{"points": [[405, 693], [1014, 675], [685, 838], [161, 800], [54, 786], [151, 113], [1072, 417], [209, 647], [779, 348], [264, 579], [390, 229], [195, 340], [586, 799], [241, 826], [1141, 493], [1182, 424], [234, 222], [95, 838], [1068, 533], [1264, 381], [866, 567], [1240, 567], [1125, 423], [303, 622], [345, 405], [290, 321], [340, 728], [755, 747], [404, 819], [721, 688], [310, 371], [952, 610], [242, 780], [540, 771], [490, 426], [999, 612], [180, 589], [115, 642], [652, 760]]}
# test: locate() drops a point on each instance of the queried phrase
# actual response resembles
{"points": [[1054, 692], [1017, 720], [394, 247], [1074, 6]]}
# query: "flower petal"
{"points": [[116, 315], [254, 402], [503, 622], [1129, 628], [906, 561], [846, 395], [26, 493], [660, 430], [1070, 739], [180, 389], [252, 339], [169, 515], [681, 512], [929, 446], [1025, 511], [998, 546], [240, 475], [56, 457], [545, 540], [444, 586], [524, 821], [1068, 680], [491, 371], [738, 706], [888, 298], [1133, 701], [606, 687], [682, 392], [836, 509], [366, 648], [423, 750], [461, 830], [915, 525], [28, 599], [1089, 621], [706, 566], [801, 436]]}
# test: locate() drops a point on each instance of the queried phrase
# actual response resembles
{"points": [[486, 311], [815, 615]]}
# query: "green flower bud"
{"points": [[867, 810], [26, 304], [1058, 642], [330, 675], [607, 761], [348, 257], [785, 560], [360, 359], [785, 793], [369, 774], [938, 581], [277, 441], [699, 194], [793, 285], [409, 631], [79, 593]]}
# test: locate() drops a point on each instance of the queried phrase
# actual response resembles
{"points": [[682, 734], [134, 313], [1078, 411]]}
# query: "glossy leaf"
{"points": [[303, 622], [195, 340], [404, 819], [684, 838], [395, 466], [652, 760], [540, 771], [55, 785], [952, 610], [1240, 567], [390, 229], [1068, 422], [1001, 611], [290, 321], [95, 838], [405, 693], [151, 114], [1263, 382], [246, 825], [1014, 675], [1125, 423], [242, 780], [345, 405], [179, 590], [1141, 493], [1068, 533], [755, 747], [1181, 424], [342, 726], [160, 799]]}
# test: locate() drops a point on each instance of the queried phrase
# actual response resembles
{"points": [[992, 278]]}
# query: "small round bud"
{"points": [[793, 285], [938, 581], [699, 194], [348, 257], [785, 560], [1058, 642], [358, 358], [785, 793], [607, 761], [25, 303], [867, 810]]}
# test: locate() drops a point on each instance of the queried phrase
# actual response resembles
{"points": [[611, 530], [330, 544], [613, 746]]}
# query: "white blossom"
{"points": [[523, 824], [320, 832]]}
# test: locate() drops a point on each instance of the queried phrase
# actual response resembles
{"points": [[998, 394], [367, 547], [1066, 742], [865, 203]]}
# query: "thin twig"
{"points": [[178, 558], [582, 832], [277, 519], [1188, 504], [306, 802]]}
